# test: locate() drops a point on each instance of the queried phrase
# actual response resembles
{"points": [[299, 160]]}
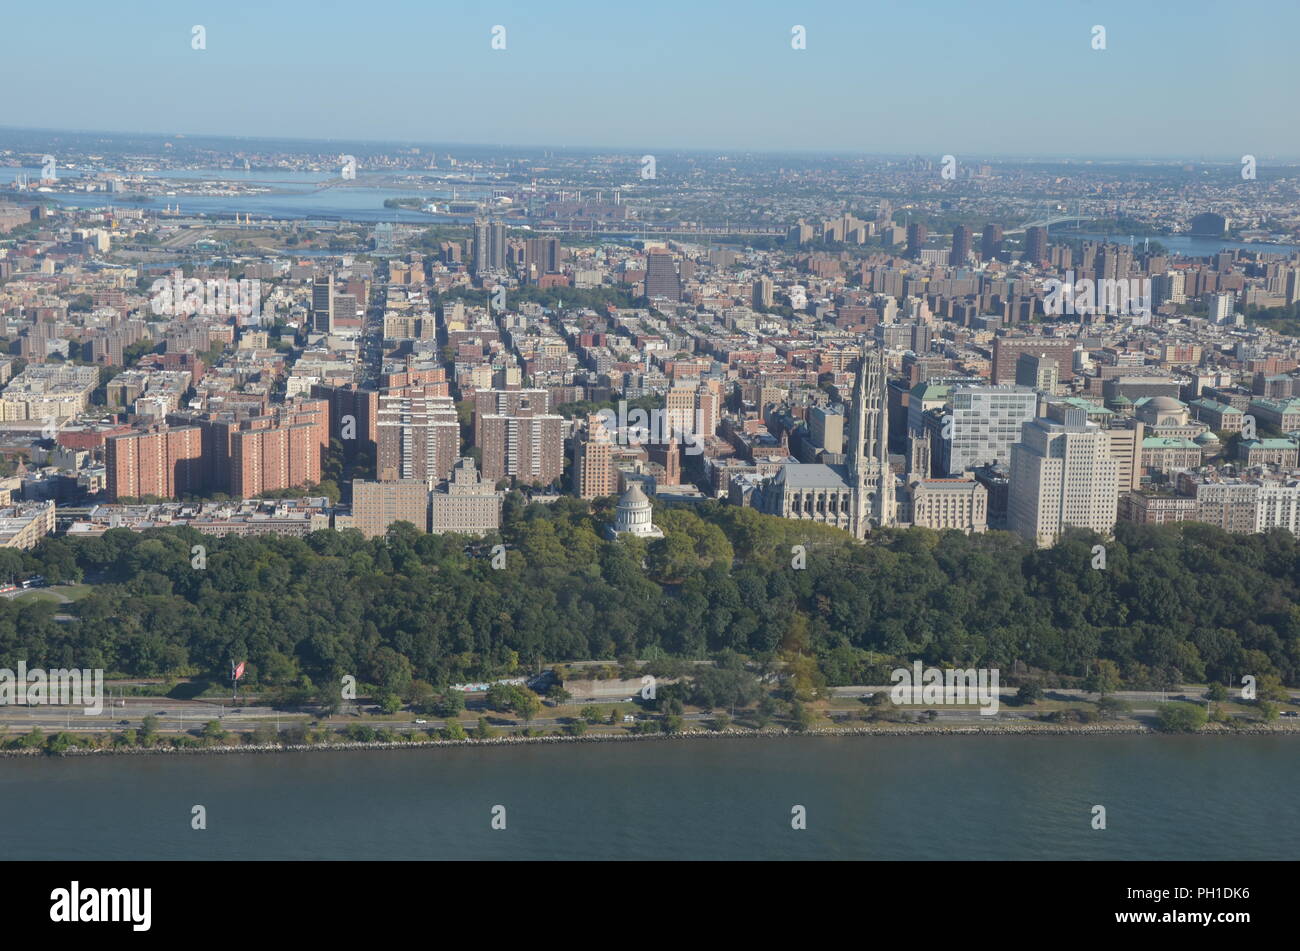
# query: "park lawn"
{"points": [[38, 595], [70, 592], [73, 592]]}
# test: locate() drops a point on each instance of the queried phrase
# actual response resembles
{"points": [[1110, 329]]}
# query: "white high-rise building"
{"points": [[1221, 306], [1278, 507], [986, 422], [1062, 474]]}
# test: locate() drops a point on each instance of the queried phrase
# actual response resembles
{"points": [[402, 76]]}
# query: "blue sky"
{"points": [[1179, 78]]}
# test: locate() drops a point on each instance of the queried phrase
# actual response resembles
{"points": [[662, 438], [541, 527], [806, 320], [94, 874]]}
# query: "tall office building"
{"points": [[346, 310], [962, 240], [986, 422], [661, 279], [322, 304], [917, 234], [763, 292], [870, 478], [1036, 246], [1062, 474], [991, 242]]}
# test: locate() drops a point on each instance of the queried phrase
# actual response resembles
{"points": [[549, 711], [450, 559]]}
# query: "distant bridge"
{"points": [[1048, 222]]}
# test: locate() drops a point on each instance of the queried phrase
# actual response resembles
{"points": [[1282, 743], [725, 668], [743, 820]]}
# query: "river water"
{"points": [[919, 797]]}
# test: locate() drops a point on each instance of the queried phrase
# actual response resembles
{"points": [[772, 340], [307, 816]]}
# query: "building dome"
{"points": [[1165, 404], [1207, 438], [634, 515]]}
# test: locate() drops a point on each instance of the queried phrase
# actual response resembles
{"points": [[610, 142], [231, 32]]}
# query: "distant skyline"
{"points": [[1178, 80]]}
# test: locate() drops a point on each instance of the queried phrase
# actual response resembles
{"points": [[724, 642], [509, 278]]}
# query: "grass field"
{"points": [[58, 593]]}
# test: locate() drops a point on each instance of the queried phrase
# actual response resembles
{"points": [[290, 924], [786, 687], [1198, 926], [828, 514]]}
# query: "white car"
{"points": [[628, 718], [421, 721]]}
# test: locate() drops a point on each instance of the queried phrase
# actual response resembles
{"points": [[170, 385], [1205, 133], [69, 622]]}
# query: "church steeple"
{"points": [[872, 480]]}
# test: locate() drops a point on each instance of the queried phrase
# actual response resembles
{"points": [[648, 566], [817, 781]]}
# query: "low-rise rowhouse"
{"points": [[293, 517]]}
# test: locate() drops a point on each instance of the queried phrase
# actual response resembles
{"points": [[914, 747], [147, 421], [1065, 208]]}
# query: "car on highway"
{"points": [[123, 722], [421, 721]]}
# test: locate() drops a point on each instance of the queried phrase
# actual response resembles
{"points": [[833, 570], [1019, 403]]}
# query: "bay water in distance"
{"points": [[919, 797]]}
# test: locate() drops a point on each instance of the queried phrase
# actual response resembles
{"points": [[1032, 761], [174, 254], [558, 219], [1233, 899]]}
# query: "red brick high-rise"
{"points": [[162, 462]]}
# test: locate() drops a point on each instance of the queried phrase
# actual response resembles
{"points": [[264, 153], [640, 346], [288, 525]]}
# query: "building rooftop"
{"points": [[811, 476]]}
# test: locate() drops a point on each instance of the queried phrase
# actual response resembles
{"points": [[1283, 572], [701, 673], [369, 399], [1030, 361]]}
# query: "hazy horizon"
{"points": [[1016, 80], [901, 154]]}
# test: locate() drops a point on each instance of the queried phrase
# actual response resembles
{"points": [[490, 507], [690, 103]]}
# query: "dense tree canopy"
{"points": [[1176, 603]]}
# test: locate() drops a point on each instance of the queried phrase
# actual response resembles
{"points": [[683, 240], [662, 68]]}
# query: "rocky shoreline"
{"points": [[1036, 729]]}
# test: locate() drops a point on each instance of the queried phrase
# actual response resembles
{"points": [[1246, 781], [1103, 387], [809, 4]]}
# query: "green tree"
{"points": [[1103, 678], [1029, 693], [446, 703], [1180, 717], [265, 733], [527, 706], [1111, 707]]}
